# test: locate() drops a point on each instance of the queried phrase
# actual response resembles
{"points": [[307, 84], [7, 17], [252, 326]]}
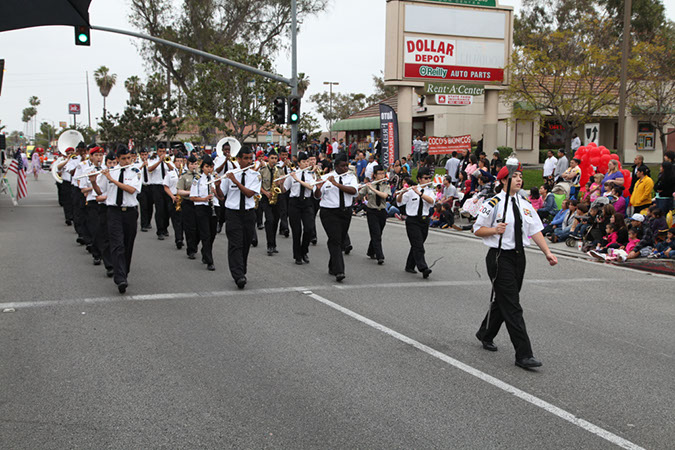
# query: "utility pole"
{"points": [[88, 104], [330, 105], [627, 13], [168, 99], [294, 69]]}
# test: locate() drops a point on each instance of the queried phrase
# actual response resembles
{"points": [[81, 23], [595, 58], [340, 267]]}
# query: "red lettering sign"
{"points": [[447, 145]]}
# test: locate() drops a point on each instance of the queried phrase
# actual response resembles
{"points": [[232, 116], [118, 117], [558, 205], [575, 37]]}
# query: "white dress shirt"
{"points": [[171, 181], [368, 173], [155, 176], [104, 186], [293, 186], [284, 168], [492, 211], [411, 200], [232, 193], [201, 188], [85, 183], [229, 165], [70, 165], [132, 177], [330, 194], [549, 166], [81, 169]]}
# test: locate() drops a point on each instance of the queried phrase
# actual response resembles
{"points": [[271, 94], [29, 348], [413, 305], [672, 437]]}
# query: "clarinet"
{"points": [[208, 188]]}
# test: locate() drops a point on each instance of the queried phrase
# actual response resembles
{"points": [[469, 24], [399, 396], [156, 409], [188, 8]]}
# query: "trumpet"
{"points": [[403, 191], [100, 171]]}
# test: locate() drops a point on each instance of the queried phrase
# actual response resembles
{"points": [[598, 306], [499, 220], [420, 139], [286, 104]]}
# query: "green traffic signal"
{"points": [[294, 117], [82, 35]]}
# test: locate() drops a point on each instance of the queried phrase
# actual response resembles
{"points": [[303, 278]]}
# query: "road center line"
{"points": [[263, 291], [536, 401]]}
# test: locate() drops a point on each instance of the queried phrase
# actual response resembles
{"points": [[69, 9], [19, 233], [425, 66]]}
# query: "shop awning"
{"points": [[362, 123]]}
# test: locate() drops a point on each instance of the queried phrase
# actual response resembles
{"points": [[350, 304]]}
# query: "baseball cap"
{"points": [[637, 217]]}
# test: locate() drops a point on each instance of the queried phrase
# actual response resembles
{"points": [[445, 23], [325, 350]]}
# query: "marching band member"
{"points": [[74, 167], [300, 209], [92, 222], [239, 191], [418, 201], [101, 185], [175, 207], [376, 194], [268, 174], [125, 184], [222, 164], [285, 166], [145, 196], [315, 202], [337, 196], [188, 207], [201, 193], [505, 261], [158, 168], [64, 188]]}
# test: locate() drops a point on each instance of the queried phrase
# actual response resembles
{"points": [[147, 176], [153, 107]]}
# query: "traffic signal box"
{"points": [[82, 35], [293, 109], [279, 110]]}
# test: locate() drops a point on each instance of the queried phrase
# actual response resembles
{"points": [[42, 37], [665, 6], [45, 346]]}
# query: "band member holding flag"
{"points": [[504, 223]]}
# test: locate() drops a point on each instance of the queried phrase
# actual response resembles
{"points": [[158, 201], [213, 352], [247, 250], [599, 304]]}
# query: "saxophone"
{"points": [[178, 203], [275, 189]]}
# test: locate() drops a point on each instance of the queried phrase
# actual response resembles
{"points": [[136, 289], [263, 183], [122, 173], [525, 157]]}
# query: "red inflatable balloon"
{"points": [[605, 151], [595, 152], [627, 180], [592, 144], [605, 158], [595, 161], [614, 156]]}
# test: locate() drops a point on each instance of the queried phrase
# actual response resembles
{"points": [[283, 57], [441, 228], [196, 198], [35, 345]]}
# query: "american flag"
{"points": [[18, 168]]}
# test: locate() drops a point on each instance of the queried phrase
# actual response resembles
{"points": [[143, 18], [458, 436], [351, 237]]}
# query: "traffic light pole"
{"points": [[294, 70]]}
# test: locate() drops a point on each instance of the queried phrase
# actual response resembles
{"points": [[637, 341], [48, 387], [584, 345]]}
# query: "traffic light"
{"points": [[293, 109], [280, 110], [302, 136], [82, 35]]}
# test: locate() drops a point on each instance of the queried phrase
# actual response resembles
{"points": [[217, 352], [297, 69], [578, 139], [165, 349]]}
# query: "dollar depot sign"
{"points": [[447, 42]]}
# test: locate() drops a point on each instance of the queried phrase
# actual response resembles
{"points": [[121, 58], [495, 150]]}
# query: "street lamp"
{"points": [[330, 104]]}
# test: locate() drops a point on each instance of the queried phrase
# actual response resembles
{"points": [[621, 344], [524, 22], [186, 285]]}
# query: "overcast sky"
{"points": [[344, 44]]}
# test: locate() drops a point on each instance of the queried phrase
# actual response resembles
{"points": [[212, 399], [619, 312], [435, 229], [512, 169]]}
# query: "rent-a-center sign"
{"points": [[445, 41]]}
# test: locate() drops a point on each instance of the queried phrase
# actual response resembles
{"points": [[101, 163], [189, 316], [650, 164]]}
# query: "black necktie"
{"points": [[120, 192], [163, 173], [145, 174], [302, 188], [242, 198], [421, 205], [518, 223], [378, 200], [342, 195]]}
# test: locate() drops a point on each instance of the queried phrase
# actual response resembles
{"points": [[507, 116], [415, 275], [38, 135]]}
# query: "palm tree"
{"points": [[303, 84], [105, 81], [133, 86]]}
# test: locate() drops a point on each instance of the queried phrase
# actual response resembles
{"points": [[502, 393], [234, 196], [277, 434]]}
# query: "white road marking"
{"points": [[536, 401], [264, 291]]}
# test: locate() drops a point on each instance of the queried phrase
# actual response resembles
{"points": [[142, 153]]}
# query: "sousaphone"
{"points": [[69, 138], [235, 146]]}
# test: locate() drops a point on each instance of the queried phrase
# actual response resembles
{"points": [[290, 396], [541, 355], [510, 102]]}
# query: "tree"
{"points": [[568, 76], [654, 95], [46, 135], [341, 106], [303, 84], [310, 125], [105, 82], [382, 91], [133, 86], [15, 139]]}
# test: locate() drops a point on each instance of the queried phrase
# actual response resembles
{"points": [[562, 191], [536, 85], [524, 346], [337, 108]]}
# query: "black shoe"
{"points": [[241, 282], [313, 241], [110, 272], [305, 259], [211, 267], [179, 245], [191, 256], [122, 287], [410, 270], [339, 277], [380, 262], [166, 234], [467, 227], [97, 261], [69, 223], [270, 251], [149, 227], [144, 229], [254, 243], [219, 228], [370, 255], [286, 234], [348, 249], [89, 248], [299, 262], [487, 345], [528, 363], [260, 227], [426, 272], [160, 237], [80, 241], [274, 250]]}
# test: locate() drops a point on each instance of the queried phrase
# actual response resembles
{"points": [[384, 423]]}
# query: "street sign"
{"points": [[591, 133], [73, 108]]}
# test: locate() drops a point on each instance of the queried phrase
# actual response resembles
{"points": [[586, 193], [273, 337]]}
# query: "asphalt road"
{"points": [[383, 360]]}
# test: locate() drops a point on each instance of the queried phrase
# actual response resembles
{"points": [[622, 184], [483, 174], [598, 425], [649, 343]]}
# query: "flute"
{"points": [[403, 191], [234, 171], [361, 186], [324, 178], [101, 171], [298, 172]]}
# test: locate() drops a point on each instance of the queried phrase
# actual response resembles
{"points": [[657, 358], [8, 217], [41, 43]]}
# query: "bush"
{"points": [[504, 152]]}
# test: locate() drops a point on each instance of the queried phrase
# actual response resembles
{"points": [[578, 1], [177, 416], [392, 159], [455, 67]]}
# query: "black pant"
{"points": [[377, 219], [417, 229], [301, 218], [507, 272], [102, 241], [59, 193], [336, 223], [220, 211], [240, 229], [176, 222], [159, 198], [190, 226], [122, 233], [145, 202], [79, 215], [67, 199], [206, 223], [283, 212], [93, 225], [271, 221]]}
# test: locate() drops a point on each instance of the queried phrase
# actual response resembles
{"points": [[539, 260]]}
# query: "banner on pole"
{"points": [[389, 133], [447, 145]]}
